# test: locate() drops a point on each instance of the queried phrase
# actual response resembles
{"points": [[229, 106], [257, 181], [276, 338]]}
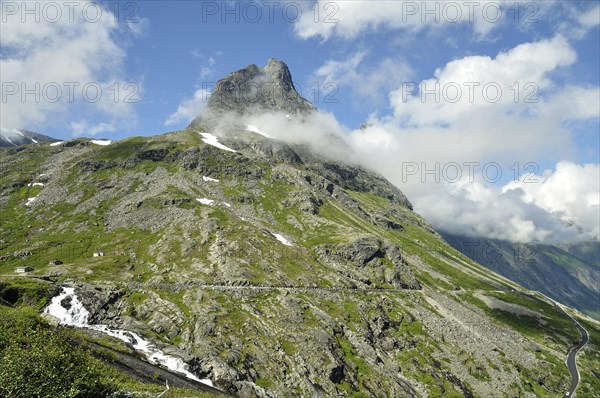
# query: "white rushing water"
{"points": [[77, 315]]}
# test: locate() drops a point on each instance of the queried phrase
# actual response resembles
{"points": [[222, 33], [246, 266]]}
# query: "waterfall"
{"points": [[78, 316]]}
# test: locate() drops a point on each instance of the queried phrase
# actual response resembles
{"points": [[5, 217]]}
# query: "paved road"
{"points": [[572, 356], [303, 289], [571, 360]]}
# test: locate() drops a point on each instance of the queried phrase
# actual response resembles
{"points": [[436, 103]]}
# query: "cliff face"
{"points": [[254, 90]]}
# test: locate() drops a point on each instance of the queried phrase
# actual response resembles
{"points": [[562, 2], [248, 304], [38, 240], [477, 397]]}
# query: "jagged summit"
{"points": [[255, 89]]}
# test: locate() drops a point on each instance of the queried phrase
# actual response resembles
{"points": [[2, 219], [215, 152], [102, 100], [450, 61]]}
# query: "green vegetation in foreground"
{"points": [[38, 360], [552, 323], [27, 291]]}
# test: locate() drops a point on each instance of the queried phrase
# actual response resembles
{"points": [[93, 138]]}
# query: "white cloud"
{"points": [[476, 83], [430, 129], [366, 82], [84, 128], [349, 19], [195, 53], [428, 135], [572, 192], [189, 108], [560, 205], [577, 18], [591, 17], [57, 60], [207, 70]]}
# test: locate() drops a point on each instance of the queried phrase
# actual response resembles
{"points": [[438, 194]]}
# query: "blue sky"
{"points": [[168, 45], [360, 54]]}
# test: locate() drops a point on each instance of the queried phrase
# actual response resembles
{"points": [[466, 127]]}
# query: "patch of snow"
{"points": [[204, 201], [56, 143], [34, 141], [255, 129], [226, 204], [30, 201], [35, 184], [210, 139], [208, 179], [77, 315], [102, 142], [283, 240], [23, 135]]}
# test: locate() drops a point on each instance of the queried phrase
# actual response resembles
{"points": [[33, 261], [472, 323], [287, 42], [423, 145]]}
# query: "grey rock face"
{"points": [[368, 251], [254, 89], [103, 302], [360, 252], [356, 178]]}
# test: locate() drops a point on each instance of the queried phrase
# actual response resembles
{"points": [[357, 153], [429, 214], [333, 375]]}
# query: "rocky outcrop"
{"points": [[254, 89], [371, 252], [355, 178]]}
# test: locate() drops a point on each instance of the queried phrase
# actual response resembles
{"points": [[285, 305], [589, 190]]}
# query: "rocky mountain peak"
{"points": [[279, 73], [254, 89]]}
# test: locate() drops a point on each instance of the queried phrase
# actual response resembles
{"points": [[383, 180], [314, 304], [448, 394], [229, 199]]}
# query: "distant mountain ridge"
{"points": [[11, 138], [569, 274]]}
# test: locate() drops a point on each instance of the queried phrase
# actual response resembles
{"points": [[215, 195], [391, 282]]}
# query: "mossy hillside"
{"points": [[550, 323], [220, 245], [274, 194], [19, 291], [588, 359], [246, 313]]}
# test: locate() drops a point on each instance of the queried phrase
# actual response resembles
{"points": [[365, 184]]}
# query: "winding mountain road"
{"points": [[571, 360]]}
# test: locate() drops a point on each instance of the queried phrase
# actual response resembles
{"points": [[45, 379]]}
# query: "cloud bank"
{"points": [[349, 19], [69, 62], [469, 166]]}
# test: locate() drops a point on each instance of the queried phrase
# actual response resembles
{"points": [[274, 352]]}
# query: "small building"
{"points": [[55, 262], [23, 269], [98, 254]]}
